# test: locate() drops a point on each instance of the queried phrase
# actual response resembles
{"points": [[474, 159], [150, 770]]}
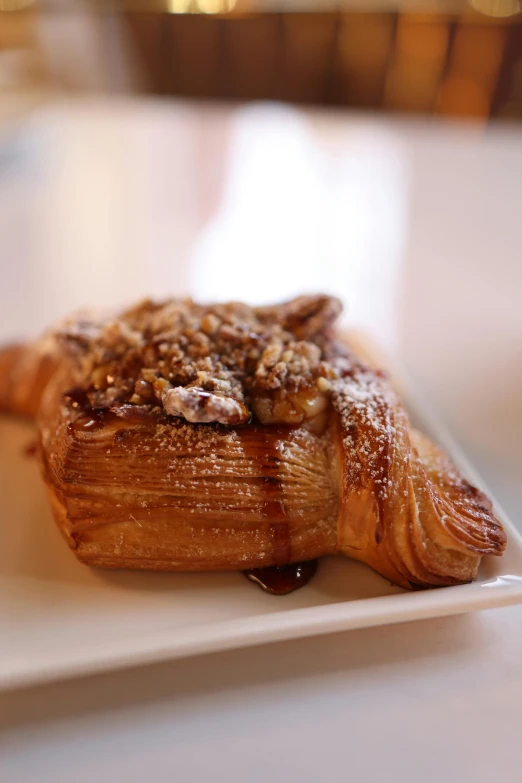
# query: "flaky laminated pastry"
{"points": [[181, 436]]}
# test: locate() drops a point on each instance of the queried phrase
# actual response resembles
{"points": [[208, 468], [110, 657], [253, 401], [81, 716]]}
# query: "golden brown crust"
{"points": [[151, 470]]}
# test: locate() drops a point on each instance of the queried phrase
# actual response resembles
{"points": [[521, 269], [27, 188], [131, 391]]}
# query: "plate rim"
{"points": [[267, 628]]}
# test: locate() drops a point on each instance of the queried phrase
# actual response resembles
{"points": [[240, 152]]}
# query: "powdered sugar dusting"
{"points": [[365, 405]]}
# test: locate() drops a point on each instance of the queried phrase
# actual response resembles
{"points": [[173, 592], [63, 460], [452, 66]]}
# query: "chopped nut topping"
{"points": [[214, 363]]}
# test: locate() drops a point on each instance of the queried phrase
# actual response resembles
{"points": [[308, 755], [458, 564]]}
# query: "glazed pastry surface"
{"points": [[180, 436]]}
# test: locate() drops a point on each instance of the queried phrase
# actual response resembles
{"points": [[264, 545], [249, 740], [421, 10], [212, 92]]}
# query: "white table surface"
{"points": [[417, 227]]}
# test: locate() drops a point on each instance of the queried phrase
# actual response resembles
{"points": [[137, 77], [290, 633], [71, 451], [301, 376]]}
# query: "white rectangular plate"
{"points": [[59, 618]]}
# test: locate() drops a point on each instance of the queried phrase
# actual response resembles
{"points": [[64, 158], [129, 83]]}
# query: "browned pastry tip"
{"points": [[25, 371], [307, 317]]}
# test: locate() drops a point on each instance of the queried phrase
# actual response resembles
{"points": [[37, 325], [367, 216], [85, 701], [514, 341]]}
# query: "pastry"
{"points": [[180, 436]]}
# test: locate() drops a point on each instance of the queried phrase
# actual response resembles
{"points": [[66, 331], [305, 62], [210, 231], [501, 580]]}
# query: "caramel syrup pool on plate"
{"points": [[281, 580]]}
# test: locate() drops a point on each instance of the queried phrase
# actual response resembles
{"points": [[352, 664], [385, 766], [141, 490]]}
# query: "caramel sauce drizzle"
{"points": [[283, 577]]}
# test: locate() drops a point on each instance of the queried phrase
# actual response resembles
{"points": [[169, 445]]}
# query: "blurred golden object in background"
{"points": [[364, 44], [413, 80], [200, 6], [473, 71], [21, 64], [14, 5]]}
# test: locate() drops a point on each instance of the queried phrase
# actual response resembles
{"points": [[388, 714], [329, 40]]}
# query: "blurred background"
{"points": [[257, 149], [446, 57]]}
